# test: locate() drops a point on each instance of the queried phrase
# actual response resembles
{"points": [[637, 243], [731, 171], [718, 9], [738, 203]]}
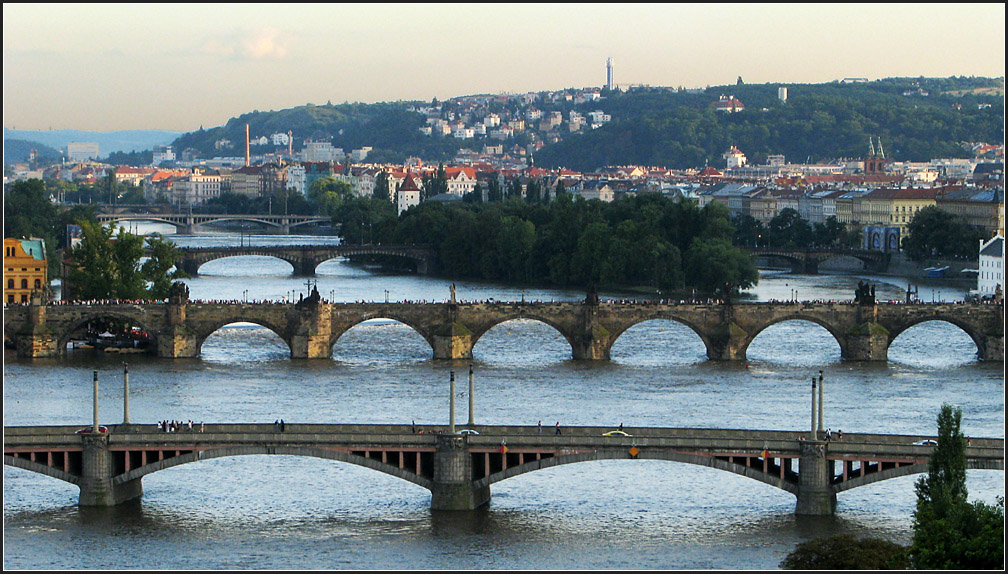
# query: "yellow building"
{"points": [[25, 268]]}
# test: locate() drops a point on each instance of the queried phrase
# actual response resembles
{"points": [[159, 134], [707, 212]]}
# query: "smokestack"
{"points": [[248, 160], [290, 144]]}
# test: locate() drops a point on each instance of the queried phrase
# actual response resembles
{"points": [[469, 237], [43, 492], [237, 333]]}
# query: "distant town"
{"points": [[874, 194]]}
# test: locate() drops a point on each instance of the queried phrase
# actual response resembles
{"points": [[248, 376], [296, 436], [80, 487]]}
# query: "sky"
{"points": [[106, 67]]}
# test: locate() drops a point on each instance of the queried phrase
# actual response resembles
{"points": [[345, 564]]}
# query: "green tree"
{"points": [[328, 193], [160, 268], [381, 187], [716, 267], [949, 532], [845, 552], [936, 233], [106, 265]]}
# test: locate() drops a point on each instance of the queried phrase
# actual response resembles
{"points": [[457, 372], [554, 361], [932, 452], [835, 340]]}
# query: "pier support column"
{"points": [[453, 484], [311, 340], [35, 339], [177, 341], [452, 341], [866, 342], [96, 485], [815, 495], [993, 348], [593, 345], [728, 342]]}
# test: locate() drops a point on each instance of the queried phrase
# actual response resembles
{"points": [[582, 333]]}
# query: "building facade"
{"points": [[25, 268]]}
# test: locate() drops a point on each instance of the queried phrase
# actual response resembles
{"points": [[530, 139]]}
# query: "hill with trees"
{"points": [[917, 119]]}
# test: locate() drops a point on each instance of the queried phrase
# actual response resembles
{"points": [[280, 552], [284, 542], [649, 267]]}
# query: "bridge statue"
{"points": [[864, 294]]}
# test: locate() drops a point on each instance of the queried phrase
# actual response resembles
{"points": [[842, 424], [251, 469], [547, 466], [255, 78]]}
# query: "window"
{"points": [[38, 283], [24, 283], [10, 283]]}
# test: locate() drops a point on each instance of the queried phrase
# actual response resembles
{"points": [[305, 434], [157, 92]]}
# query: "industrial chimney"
{"points": [[248, 159]]}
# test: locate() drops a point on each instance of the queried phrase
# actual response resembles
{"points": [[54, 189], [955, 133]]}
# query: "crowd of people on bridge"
{"points": [[180, 426]]}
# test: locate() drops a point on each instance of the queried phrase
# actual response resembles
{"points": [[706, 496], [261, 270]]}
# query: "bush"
{"points": [[845, 552]]}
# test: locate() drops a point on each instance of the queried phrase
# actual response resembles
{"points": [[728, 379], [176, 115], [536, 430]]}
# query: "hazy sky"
{"points": [[109, 67]]}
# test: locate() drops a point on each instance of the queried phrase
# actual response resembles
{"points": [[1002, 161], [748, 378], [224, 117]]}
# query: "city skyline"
{"points": [[104, 67]]}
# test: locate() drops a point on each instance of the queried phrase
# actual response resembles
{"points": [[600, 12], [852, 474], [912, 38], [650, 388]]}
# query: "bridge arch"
{"points": [[338, 335], [970, 330], [63, 337], [489, 331], [193, 264], [336, 455], [203, 334], [618, 332], [796, 316], [615, 454]]}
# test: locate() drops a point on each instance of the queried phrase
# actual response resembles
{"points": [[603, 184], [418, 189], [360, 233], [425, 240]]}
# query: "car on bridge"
{"points": [[927, 442], [88, 430], [615, 433], [467, 431]]}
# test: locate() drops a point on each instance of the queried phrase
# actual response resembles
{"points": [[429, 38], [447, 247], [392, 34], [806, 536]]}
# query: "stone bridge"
{"points": [[807, 262], [304, 258], [312, 327], [187, 223], [458, 469]]}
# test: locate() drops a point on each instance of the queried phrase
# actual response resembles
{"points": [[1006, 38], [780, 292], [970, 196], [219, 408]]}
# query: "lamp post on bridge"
{"points": [[815, 428], [94, 428], [451, 403], [126, 420], [820, 425]]}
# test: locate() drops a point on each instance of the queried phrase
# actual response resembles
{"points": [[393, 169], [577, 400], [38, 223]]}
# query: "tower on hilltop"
{"points": [[609, 78]]}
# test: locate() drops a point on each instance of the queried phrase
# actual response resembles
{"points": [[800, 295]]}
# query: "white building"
{"points": [[197, 187], [734, 158], [297, 178], [407, 194], [82, 151], [280, 139], [162, 154], [316, 151], [990, 279]]}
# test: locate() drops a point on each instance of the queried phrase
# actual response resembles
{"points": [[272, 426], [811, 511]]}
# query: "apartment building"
{"points": [[25, 268]]}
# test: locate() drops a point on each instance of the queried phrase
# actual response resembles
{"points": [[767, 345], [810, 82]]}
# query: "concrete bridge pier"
{"points": [[727, 342], [815, 496], [96, 485], [312, 339], [452, 341], [992, 348], [866, 342], [177, 341], [35, 339], [453, 484]]}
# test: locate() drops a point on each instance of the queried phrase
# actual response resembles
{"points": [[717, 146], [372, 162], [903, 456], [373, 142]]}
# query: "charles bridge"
{"points": [[177, 328], [459, 468]]}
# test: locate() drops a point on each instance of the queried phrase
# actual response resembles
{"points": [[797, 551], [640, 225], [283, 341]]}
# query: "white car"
{"points": [[467, 431], [927, 442]]}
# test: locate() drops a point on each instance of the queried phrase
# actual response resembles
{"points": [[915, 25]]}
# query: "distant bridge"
{"points": [[305, 258], [188, 223], [459, 469], [312, 327], [807, 261]]}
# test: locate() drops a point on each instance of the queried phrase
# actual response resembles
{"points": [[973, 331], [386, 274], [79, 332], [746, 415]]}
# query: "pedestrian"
{"points": [[558, 428], [839, 434], [276, 425], [621, 427], [282, 425], [414, 427], [201, 427], [540, 427]]}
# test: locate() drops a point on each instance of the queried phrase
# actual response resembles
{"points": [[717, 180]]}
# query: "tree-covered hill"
{"points": [[916, 118]]}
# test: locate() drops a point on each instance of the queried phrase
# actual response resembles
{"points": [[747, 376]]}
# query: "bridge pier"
{"points": [[727, 343], [453, 484], [96, 485], [992, 348], [452, 341], [866, 342], [35, 339], [815, 495]]}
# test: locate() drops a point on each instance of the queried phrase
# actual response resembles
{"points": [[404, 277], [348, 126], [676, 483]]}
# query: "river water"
{"points": [[279, 512]]}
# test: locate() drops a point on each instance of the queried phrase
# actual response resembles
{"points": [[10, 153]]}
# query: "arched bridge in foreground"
{"points": [[458, 469], [312, 327]]}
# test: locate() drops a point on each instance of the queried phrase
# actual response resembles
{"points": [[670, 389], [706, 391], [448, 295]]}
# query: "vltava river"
{"points": [[263, 512]]}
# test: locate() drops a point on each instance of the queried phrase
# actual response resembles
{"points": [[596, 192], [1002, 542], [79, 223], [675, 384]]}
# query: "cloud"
{"points": [[258, 44]]}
